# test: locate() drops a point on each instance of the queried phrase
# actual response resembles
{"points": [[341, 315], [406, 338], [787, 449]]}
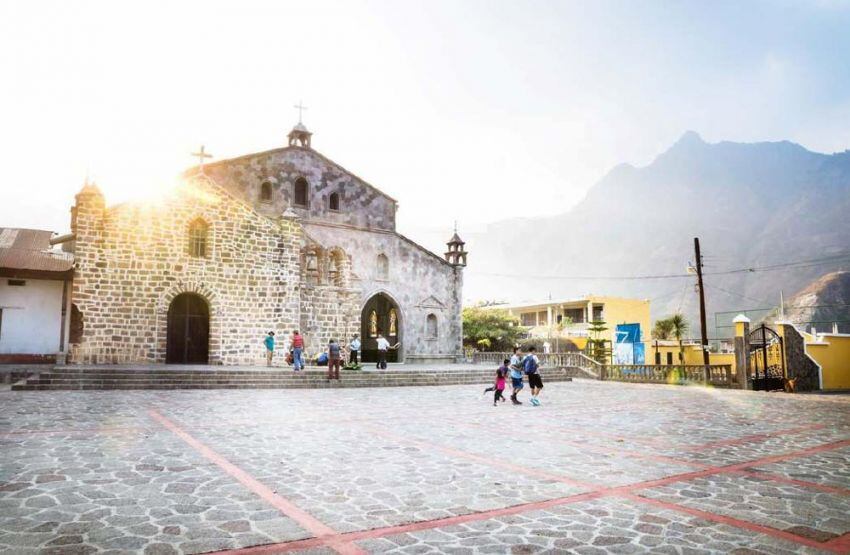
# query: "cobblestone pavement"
{"points": [[598, 468]]}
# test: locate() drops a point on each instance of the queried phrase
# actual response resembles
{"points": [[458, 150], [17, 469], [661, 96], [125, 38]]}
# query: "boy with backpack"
{"points": [[531, 366]]}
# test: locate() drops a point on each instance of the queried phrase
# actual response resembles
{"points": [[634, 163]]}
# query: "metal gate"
{"points": [[767, 359]]}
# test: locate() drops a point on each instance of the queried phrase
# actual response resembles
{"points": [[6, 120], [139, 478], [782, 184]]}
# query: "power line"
{"points": [[751, 269]]}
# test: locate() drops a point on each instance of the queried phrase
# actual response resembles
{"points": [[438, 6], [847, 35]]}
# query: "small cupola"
{"points": [[300, 136], [456, 255]]}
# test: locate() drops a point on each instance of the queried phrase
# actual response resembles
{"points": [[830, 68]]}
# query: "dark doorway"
{"points": [[188, 330], [380, 314]]}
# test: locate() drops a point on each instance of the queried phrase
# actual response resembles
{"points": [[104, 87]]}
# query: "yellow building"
{"points": [[831, 351], [570, 318]]}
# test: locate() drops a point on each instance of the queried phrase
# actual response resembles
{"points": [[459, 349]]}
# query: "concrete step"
{"points": [[108, 379]]}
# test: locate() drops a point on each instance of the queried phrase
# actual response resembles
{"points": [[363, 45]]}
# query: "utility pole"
{"points": [[698, 262]]}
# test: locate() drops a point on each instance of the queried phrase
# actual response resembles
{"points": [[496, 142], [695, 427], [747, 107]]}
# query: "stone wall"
{"points": [[418, 281], [797, 363], [132, 260], [361, 204]]}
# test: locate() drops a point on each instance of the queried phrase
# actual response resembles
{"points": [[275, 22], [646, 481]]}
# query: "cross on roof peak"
{"points": [[201, 155], [301, 108]]}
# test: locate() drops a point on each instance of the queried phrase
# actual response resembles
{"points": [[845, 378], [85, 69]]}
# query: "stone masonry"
{"points": [[274, 261]]}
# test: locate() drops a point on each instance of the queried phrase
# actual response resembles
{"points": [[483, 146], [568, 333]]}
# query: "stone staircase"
{"points": [[158, 377]]}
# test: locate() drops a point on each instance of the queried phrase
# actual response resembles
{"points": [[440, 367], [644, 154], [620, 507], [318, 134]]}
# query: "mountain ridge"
{"points": [[750, 204]]}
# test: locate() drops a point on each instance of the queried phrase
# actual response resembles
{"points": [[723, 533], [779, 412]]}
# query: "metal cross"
{"points": [[201, 154], [301, 108]]}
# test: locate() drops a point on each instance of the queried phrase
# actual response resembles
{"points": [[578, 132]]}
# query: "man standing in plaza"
{"points": [[297, 349], [334, 359], [383, 347], [354, 350], [269, 343]]}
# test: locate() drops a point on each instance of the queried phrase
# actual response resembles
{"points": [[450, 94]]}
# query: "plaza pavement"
{"points": [[600, 467]]}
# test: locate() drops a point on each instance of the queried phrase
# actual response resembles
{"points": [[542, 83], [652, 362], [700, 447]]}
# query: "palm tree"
{"points": [[679, 328], [663, 328]]}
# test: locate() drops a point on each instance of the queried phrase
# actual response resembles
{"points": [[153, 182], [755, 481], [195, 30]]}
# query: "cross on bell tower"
{"points": [[299, 133], [456, 255]]}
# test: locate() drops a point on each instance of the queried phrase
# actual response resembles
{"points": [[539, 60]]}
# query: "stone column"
{"points": [[742, 350]]}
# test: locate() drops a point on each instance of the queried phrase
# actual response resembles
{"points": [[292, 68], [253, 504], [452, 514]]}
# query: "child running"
{"points": [[501, 373]]}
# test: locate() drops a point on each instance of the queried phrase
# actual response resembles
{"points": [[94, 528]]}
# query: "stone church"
{"points": [[279, 240]]}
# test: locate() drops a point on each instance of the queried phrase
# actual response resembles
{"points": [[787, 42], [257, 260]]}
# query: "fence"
{"points": [[717, 374]]}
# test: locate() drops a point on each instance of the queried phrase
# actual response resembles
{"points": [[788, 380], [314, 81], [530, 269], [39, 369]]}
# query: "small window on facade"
{"points": [[300, 198], [528, 319], [669, 358], [431, 327], [266, 192], [16, 283], [198, 231], [333, 202], [657, 357], [383, 266]]}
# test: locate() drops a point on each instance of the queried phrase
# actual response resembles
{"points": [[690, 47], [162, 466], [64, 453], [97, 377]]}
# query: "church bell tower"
{"points": [[299, 136], [456, 255]]}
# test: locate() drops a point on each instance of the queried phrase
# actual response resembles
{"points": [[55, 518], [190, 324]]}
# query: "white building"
{"points": [[35, 300]]}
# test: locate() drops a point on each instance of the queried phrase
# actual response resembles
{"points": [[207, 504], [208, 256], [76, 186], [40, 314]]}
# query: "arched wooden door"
{"points": [[188, 339], [380, 315]]}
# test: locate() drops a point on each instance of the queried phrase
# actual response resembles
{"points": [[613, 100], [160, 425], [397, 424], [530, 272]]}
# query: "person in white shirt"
{"points": [[383, 347], [354, 350]]}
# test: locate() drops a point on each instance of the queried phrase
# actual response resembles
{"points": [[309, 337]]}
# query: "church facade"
{"points": [[278, 240]]}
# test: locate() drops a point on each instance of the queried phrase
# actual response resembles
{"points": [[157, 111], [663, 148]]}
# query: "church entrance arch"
{"points": [[188, 334], [380, 315]]}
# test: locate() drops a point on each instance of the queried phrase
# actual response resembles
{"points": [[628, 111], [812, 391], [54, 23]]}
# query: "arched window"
{"points": [[198, 231], [383, 266], [431, 326], [266, 192], [333, 201], [301, 194]]}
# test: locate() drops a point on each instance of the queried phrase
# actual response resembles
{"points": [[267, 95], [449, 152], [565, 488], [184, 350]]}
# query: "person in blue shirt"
{"points": [[269, 343], [516, 375]]}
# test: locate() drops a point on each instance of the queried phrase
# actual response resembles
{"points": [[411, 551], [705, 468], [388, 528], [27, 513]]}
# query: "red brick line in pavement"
{"points": [[754, 438], [286, 507], [836, 545], [766, 475], [841, 543], [414, 526], [738, 523]]}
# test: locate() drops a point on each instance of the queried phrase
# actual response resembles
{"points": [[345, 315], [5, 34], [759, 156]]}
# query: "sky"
{"points": [[474, 111]]}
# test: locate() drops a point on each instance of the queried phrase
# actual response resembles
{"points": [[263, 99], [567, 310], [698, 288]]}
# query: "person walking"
{"points": [[334, 359], [383, 347], [354, 350], [297, 350], [515, 365], [269, 343], [531, 365]]}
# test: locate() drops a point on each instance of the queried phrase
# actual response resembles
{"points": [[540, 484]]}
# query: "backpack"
{"points": [[529, 365]]}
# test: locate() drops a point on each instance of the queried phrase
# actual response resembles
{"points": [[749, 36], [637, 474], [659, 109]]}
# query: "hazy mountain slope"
{"points": [[823, 303], [750, 204]]}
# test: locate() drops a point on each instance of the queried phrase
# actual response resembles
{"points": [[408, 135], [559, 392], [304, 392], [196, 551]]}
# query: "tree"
{"points": [[596, 344], [493, 330], [679, 327], [663, 329]]}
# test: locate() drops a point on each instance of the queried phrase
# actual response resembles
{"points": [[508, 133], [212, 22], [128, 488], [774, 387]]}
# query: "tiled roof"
{"points": [[29, 249]]}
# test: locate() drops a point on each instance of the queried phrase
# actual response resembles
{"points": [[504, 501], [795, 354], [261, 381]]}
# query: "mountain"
{"points": [[751, 205], [824, 303]]}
